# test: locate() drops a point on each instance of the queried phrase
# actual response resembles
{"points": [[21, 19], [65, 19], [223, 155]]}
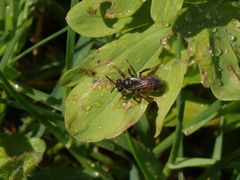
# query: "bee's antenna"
{"points": [[110, 79]]}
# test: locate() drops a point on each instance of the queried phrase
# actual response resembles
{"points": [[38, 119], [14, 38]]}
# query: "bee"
{"points": [[137, 85]]}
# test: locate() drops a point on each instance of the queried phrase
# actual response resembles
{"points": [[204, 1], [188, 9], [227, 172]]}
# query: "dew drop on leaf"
{"points": [[97, 104], [96, 174], [236, 23], [231, 37], [218, 51], [219, 82]]}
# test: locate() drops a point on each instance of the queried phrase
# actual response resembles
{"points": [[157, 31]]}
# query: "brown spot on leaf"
{"points": [[110, 14], [233, 74], [91, 11]]}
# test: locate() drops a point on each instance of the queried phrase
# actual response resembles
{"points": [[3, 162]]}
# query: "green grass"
{"points": [[59, 119]]}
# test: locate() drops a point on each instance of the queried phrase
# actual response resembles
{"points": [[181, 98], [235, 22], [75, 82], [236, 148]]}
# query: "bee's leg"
{"points": [[131, 71], [147, 98], [148, 69], [136, 98], [120, 72], [144, 70], [124, 95]]}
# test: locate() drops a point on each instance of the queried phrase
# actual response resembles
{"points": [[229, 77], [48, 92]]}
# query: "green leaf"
{"points": [[26, 162], [218, 62], [173, 74], [90, 18], [191, 162], [226, 63], [94, 113], [164, 12]]}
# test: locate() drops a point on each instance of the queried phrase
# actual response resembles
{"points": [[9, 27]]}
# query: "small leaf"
{"points": [[218, 62], [88, 18]]}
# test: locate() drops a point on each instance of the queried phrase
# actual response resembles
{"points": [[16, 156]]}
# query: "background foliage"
{"points": [[51, 72]]}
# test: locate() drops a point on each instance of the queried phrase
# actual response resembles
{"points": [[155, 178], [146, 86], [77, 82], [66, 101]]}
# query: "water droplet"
{"points": [[220, 69], [88, 108], [231, 37], [16, 86], [209, 49], [166, 24], [189, 32], [236, 23], [218, 51], [237, 48], [96, 174], [208, 15], [192, 62], [225, 50], [97, 104], [92, 165]]}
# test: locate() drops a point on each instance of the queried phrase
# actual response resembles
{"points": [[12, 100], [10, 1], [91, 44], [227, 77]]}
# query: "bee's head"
{"points": [[119, 85]]}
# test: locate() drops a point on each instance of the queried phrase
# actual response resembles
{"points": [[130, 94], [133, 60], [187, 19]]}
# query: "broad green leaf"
{"points": [[164, 12], [94, 113], [218, 62], [88, 18], [173, 74], [226, 63]]}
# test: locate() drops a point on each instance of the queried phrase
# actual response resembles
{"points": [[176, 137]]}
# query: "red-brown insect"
{"points": [[137, 85]]}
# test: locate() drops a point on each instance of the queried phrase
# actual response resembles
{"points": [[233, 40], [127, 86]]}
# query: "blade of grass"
{"points": [[149, 165], [49, 38], [70, 43], [10, 49], [165, 144], [229, 158], [217, 152], [191, 162], [178, 138]]}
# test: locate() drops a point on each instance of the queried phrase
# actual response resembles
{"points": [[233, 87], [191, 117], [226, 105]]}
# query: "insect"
{"points": [[137, 85]]}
